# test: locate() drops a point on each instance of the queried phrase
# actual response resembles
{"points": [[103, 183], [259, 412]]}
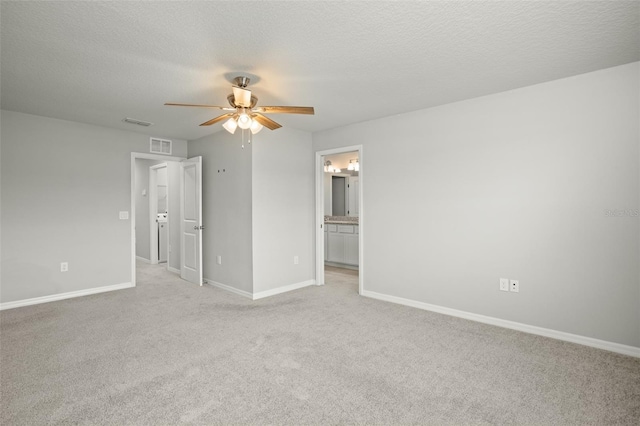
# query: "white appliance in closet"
{"points": [[162, 237]]}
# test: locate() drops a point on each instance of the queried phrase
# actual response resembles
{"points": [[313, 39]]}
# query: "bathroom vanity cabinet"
{"points": [[341, 243]]}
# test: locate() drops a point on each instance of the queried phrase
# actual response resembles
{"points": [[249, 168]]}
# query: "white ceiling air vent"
{"points": [[160, 146], [136, 121]]}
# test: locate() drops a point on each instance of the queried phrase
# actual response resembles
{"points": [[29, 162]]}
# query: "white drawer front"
{"points": [[345, 229], [332, 228]]}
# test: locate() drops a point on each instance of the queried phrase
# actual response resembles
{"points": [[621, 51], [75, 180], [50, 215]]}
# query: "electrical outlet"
{"points": [[219, 260], [296, 260], [515, 286], [123, 215], [64, 266], [504, 284]]}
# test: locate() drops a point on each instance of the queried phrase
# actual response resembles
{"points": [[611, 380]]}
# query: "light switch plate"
{"points": [[504, 284], [124, 215], [515, 286]]}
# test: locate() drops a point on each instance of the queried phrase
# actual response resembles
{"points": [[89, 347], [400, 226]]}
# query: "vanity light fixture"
{"points": [[354, 165], [328, 168]]}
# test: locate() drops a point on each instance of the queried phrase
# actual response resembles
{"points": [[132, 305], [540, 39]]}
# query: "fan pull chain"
{"points": [[248, 139]]}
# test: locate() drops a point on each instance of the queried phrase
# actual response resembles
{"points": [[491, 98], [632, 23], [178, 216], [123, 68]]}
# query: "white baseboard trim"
{"points": [[554, 334], [142, 259], [62, 296], [283, 289], [174, 270], [262, 294], [228, 288]]}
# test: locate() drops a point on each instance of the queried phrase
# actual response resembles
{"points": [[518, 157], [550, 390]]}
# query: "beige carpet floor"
{"points": [[168, 352]]}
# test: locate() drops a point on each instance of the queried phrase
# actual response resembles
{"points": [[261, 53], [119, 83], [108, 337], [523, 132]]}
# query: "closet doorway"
{"points": [[166, 214]]}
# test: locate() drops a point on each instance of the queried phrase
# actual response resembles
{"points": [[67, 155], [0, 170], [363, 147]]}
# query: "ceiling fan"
{"points": [[244, 113]]}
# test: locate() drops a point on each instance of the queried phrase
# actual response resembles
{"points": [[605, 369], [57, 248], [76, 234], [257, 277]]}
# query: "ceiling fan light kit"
{"points": [[244, 112], [255, 127], [230, 125], [244, 121]]}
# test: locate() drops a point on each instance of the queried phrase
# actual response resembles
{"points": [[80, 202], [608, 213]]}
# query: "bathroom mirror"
{"points": [[339, 195], [341, 184]]}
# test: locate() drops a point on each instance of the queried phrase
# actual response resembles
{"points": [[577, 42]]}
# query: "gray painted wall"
{"points": [[226, 205], [78, 175], [258, 208], [511, 185], [283, 208]]}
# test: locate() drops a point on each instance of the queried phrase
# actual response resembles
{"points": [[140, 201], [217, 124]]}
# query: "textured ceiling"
{"points": [[98, 62]]}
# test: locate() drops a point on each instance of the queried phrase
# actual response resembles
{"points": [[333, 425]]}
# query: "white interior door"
{"points": [[191, 220]]}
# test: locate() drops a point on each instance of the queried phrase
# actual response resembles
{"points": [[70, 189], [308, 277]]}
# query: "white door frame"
{"points": [[154, 254], [319, 222], [349, 183], [132, 218]]}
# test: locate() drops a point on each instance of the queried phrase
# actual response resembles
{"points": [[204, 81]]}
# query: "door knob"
{"points": [[198, 227]]}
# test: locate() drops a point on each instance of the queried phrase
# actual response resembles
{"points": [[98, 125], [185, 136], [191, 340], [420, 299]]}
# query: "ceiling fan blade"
{"points": [[266, 122], [242, 97], [201, 106], [285, 110], [217, 119]]}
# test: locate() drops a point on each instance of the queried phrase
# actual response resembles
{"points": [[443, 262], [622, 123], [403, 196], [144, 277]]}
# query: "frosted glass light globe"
{"points": [[244, 121]]}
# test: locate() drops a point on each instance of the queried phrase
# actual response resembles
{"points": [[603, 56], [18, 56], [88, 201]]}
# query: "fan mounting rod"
{"points": [[241, 81]]}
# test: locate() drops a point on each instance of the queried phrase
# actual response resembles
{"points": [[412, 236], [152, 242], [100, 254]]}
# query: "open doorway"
{"points": [[156, 212], [339, 236], [183, 210], [184, 240], [163, 210]]}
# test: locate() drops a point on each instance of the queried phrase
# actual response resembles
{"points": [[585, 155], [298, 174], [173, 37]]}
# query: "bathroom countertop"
{"points": [[341, 220]]}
